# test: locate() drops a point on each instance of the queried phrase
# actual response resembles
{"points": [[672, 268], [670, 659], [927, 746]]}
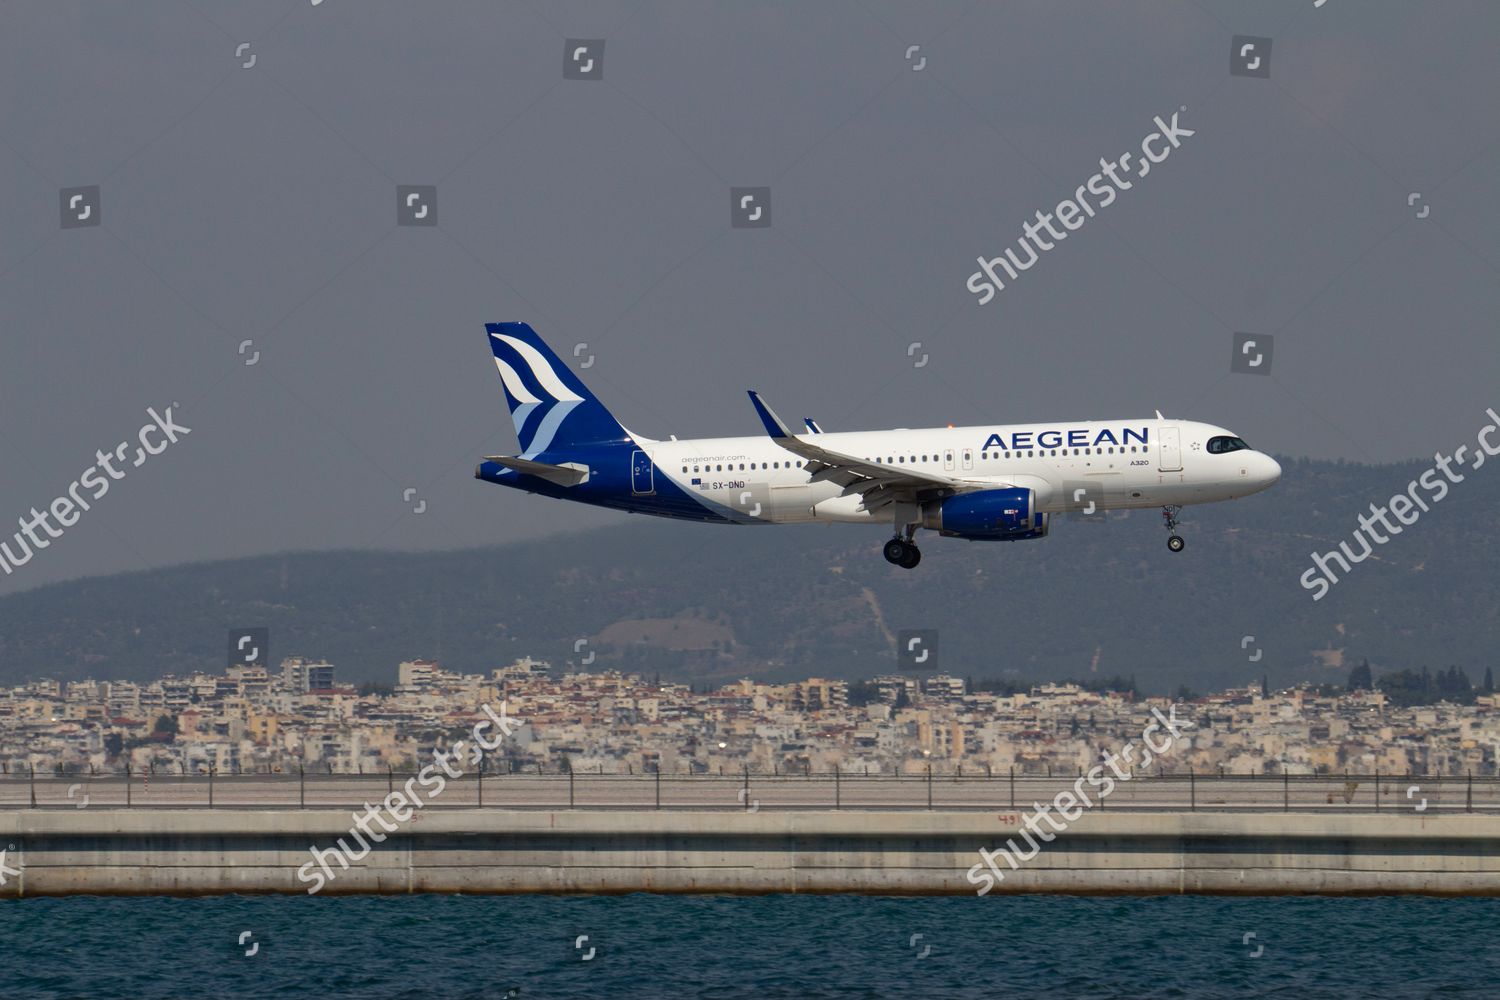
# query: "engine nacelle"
{"points": [[1008, 515]]}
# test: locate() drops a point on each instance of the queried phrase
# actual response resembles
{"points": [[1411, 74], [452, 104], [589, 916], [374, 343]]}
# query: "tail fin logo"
{"points": [[541, 398]]}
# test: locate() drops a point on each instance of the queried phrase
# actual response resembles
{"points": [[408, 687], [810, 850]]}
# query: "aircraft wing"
{"points": [[879, 484]]}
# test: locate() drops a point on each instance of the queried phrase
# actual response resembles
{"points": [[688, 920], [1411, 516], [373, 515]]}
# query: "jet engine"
{"points": [[1008, 515]]}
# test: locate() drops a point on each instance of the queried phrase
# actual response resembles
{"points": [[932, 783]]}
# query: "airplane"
{"points": [[986, 483]]}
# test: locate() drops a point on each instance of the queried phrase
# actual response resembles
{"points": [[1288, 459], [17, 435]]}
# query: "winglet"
{"points": [[774, 426], [1159, 416], [812, 425]]}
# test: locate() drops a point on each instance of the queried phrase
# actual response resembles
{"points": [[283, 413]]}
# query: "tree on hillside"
{"points": [[1407, 687], [1359, 678], [861, 693], [1003, 686]]}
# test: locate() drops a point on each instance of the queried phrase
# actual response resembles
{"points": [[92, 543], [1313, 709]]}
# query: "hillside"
{"points": [[711, 603]]}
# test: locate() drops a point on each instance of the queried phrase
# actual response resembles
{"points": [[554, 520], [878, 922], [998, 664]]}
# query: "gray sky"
{"points": [[259, 204]]}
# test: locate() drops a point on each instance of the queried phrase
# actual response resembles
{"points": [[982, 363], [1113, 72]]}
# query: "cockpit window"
{"points": [[1220, 445]]}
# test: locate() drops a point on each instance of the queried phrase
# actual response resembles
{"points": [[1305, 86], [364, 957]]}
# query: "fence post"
{"points": [[127, 786], [570, 787], [390, 779], [301, 787], [1469, 795], [837, 796], [1286, 791], [1377, 789], [658, 783], [1013, 786], [33, 784], [1192, 790], [210, 786], [929, 788]]}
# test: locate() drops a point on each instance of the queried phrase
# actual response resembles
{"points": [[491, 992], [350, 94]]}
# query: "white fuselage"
{"points": [[1115, 464]]}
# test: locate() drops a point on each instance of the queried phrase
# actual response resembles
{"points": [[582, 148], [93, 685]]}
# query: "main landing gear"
{"points": [[902, 551], [1169, 516]]}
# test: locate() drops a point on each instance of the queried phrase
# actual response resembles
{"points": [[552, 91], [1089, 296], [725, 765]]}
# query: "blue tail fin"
{"points": [[551, 408]]}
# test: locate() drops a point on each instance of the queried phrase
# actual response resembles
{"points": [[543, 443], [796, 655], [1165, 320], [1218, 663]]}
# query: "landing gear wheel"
{"points": [[1169, 521], [912, 557], [895, 551]]}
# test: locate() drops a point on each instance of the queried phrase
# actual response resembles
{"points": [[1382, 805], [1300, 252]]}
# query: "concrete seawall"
{"points": [[99, 851]]}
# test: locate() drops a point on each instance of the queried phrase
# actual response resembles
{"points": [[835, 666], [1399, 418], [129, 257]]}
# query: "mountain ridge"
{"points": [[708, 604]]}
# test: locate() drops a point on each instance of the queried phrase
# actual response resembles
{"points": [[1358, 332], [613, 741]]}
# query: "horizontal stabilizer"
{"points": [[567, 474]]}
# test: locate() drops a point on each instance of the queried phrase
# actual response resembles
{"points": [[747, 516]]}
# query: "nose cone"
{"points": [[1267, 470]]}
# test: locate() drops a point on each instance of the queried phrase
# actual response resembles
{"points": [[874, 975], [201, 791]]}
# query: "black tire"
{"points": [[895, 551], [1175, 543], [912, 557]]}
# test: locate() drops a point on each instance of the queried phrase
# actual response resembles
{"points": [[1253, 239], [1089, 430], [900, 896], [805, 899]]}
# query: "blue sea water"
{"points": [[772, 946]]}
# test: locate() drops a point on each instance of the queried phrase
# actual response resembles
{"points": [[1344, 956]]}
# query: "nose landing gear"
{"points": [[1169, 516]]}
